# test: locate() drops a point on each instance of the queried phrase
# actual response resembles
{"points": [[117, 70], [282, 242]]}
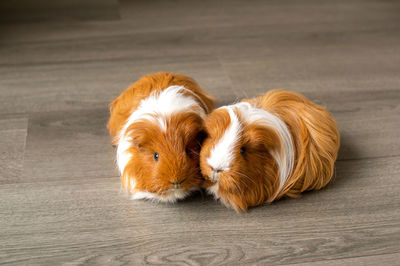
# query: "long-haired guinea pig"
{"points": [[157, 126], [258, 150]]}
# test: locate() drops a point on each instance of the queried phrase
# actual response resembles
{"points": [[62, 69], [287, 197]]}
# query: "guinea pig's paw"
{"points": [[144, 195], [213, 190], [173, 195]]}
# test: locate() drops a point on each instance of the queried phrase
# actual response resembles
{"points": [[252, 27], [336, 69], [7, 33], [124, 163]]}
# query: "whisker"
{"points": [[249, 178], [241, 179], [195, 152], [238, 188], [198, 142], [244, 183]]}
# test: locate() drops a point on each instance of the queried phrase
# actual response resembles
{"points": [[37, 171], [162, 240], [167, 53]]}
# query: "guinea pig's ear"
{"points": [[261, 137]]}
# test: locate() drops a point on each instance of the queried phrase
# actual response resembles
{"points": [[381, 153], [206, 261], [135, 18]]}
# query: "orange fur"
{"points": [[253, 177], [178, 147]]}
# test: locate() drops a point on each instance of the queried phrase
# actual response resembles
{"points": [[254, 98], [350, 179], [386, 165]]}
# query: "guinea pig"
{"points": [[157, 125], [261, 149]]}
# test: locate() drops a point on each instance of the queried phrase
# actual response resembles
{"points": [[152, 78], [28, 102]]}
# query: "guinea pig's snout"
{"points": [[177, 184], [215, 172]]}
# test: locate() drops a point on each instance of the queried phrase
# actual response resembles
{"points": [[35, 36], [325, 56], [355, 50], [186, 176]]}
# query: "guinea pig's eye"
{"points": [[242, 150], [156, 156]]}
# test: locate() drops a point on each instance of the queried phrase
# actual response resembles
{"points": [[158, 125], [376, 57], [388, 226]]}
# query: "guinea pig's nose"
{"points": [[177, 183], [217, 170], [215, 173]]}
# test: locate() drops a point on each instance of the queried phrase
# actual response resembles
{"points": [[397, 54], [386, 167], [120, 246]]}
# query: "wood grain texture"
{"points": [[90, 85], [65, 145], [386, 259], [230, 42], [89, 220], [13, 132], [18, 11], [60, 195]]}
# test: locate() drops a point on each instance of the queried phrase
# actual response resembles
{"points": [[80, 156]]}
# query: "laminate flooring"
{"points": [[62, 62]]}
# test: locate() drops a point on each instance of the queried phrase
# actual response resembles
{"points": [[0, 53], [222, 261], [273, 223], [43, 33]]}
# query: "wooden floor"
{"points": [[61, 64]]}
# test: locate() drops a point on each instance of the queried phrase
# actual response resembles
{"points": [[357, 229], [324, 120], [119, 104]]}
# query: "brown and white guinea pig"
{"points": [[157, 126], [258, 150]]}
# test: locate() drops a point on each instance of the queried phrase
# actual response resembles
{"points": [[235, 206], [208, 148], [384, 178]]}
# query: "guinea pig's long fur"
{"points": [[259, 150], [157, 124]]}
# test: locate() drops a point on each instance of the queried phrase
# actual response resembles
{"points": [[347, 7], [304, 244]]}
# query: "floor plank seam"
{"points": [[344, 258], [368, 158]]}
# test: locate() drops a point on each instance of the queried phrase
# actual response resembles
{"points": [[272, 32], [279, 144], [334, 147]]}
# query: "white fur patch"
{"points": [[170, 196], [161, 104], [284, 157], [123, 156], [213, 190], [145, 195], [222, 153]]}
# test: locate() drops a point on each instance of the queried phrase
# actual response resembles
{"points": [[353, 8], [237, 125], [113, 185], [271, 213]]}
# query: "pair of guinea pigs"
{"points": [[170, 142]]}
